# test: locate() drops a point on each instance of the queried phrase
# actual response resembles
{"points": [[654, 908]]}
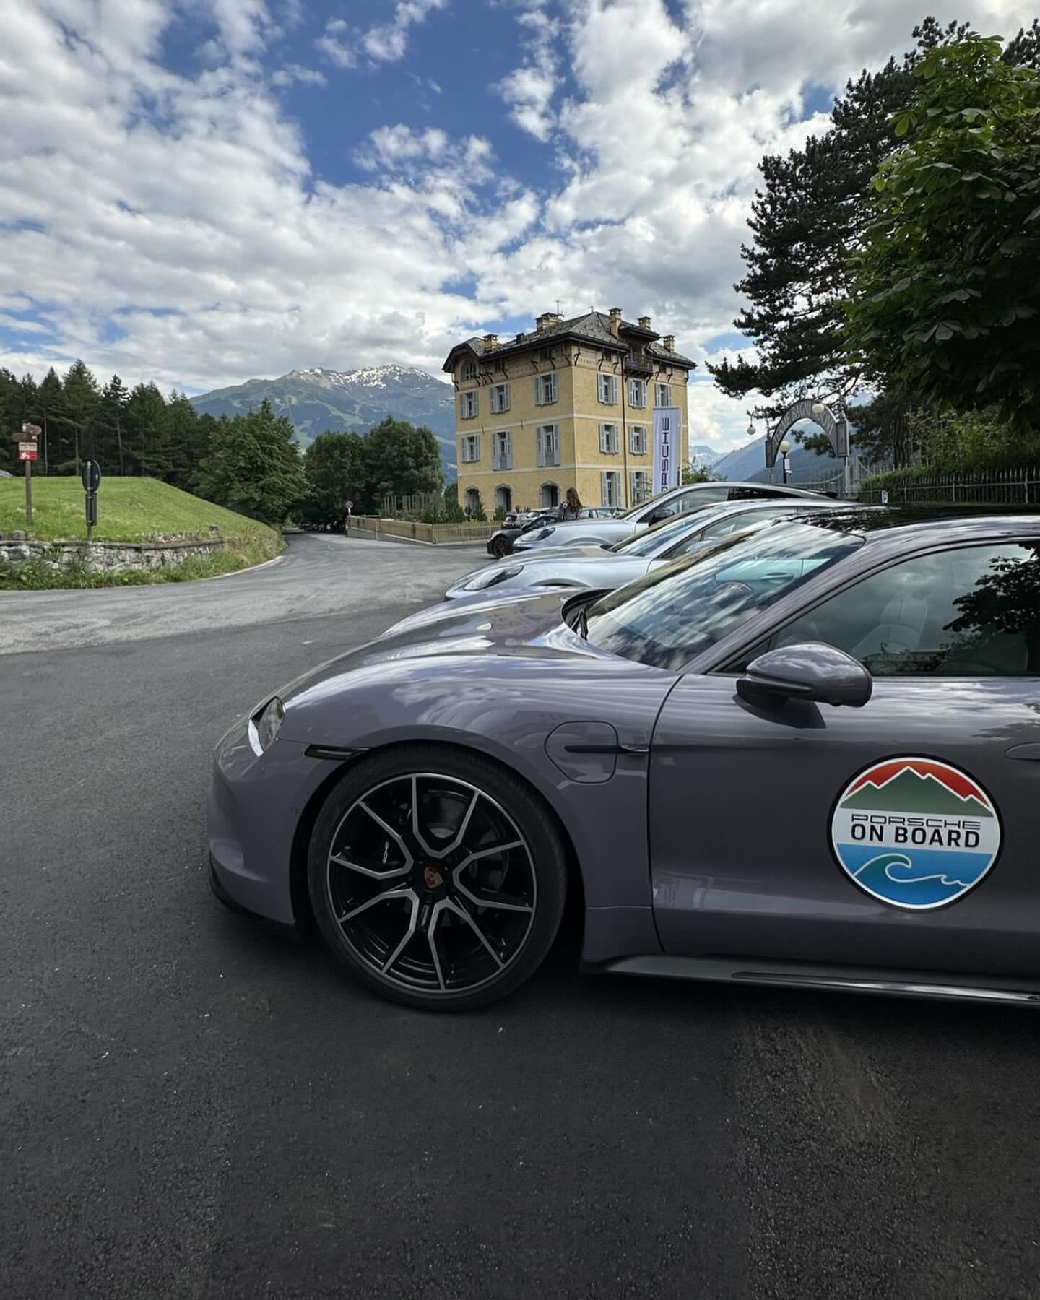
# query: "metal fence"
{"points": [[993, 487], [432, 533]]}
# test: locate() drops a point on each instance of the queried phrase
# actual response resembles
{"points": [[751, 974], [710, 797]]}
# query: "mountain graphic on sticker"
{"points": [[923, 793], [915, 833]]}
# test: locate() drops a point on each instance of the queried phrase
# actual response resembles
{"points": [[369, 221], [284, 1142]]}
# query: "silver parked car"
{"points": [[679, 501], [808, 757], [606, 567]]}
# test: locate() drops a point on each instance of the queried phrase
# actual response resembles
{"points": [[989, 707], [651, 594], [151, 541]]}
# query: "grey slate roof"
{"points": [[593, 327]]}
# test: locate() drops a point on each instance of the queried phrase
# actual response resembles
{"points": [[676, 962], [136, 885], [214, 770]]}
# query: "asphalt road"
{"points": [[193, 1107]]}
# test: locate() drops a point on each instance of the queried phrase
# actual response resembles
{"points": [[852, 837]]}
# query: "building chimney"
{"points": [[669, 342], [615, 320], [490, 342], [546, 319], [644, 322]]}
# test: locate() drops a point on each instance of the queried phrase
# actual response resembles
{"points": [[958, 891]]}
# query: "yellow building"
{"points": [[570, 404]]}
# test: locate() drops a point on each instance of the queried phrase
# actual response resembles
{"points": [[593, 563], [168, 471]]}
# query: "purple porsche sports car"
{"points": [[810, 756]]}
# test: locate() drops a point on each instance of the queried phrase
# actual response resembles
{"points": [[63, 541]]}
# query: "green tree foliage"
{"points": [[400, 459], [453, 512], [946, 290], [254, 466], [699, 474], [80, 408], [333, 466], [809, 215]]}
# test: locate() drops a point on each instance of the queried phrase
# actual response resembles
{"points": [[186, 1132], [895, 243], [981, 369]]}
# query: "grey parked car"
{"points": [[679, 501], [806, 758], [606, 567]]}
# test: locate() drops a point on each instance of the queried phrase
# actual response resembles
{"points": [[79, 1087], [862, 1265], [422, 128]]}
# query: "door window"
{"points": [[969, 612]]}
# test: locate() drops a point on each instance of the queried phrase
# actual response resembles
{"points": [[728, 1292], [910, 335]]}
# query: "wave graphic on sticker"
{"points": [[915, 833]]}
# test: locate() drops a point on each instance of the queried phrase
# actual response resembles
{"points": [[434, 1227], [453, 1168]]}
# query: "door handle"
{"points": [[1030, 752]]}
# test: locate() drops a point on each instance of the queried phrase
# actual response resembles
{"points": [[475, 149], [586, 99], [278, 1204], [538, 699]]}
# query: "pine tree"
{"points": [[49, 397], [114, 399], [146, 431], [81, 399]]}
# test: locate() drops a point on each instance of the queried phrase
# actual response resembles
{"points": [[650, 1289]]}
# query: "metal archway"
{"points": [[836, 429]]}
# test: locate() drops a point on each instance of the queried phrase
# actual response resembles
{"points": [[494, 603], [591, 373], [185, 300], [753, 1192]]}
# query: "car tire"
{"points": [[436, 878], [500, 547]]}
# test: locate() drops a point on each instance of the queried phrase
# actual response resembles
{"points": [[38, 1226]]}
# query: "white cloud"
{"points": [[388, 42], [529, 89], [336, 43], [294, 72]]}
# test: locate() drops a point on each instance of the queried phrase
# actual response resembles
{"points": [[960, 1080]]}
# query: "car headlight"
{"points": [[265, 724], [490, 577]]}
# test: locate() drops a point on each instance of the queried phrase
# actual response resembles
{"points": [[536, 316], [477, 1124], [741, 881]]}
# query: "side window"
{"points": [[702, 497], [969, 612]]}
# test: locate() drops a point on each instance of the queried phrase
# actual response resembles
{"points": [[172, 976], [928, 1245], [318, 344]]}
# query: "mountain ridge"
{"points": [[316, 399]]}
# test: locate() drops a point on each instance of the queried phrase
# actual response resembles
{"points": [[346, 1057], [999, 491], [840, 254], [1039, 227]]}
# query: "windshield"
{"points": [[651, 540], [677, 612]]}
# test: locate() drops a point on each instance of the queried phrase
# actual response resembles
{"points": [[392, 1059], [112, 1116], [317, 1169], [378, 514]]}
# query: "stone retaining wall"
{"points": [[105, 557]]}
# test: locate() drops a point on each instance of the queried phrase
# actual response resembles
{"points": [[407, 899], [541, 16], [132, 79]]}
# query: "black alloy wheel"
{"points": [[500, 547], [436, 878]]}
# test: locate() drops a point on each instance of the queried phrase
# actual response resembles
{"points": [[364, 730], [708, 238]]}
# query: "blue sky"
{"points": [[199, 191]]}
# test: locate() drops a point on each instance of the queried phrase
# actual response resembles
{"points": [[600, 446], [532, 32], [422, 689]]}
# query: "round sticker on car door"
{"points": [[915, 833]]}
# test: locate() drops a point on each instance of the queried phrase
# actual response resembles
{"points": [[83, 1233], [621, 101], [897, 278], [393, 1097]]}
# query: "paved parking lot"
{"points": [[193, 1107]]}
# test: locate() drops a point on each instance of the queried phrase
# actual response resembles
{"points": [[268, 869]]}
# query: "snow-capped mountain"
{"points": [[316, 399]]}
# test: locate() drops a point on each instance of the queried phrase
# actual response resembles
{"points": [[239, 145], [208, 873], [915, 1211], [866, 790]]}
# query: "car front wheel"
{"points": [[436, 878], [500, 547]]}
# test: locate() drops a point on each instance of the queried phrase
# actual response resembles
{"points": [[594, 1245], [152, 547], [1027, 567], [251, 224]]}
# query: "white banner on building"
{"points": [[667, 448]]}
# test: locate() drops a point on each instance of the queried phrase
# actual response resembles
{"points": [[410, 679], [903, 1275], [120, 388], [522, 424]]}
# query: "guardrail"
{"points": [[432, 534]]}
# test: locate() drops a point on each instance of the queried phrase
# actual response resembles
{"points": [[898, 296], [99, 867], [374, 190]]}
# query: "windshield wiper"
{"points": [[583, 622]]}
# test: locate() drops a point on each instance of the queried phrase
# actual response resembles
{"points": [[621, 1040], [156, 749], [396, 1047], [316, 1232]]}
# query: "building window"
{"points": [[545, 389], [639, 484], [610, 489], [469, 370], [471, 447], [468, 405], [637, 392], [608, 389], [499, 398], [550, 496], [501, 451], [549, 444], [662, 394], [608, 439], [637, 440], [472, 501], [503, 497]]}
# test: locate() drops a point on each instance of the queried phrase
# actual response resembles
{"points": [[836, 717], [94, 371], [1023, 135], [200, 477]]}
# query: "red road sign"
{"points": [[27, 452]]}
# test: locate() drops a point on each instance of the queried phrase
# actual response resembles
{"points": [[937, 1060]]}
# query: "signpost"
{"points": [[91, 479], [350, 507], [27, 453]]}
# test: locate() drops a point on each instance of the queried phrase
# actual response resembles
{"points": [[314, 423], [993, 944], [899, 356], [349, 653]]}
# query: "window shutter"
{"points": [[613, 388], [603, 491], [541, 447]]}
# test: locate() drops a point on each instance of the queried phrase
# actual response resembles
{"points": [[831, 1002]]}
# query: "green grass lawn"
{"points": [[129, 510]]}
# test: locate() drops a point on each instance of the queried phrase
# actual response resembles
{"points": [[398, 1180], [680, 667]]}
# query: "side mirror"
{"points": [[812, 671], [661, 513]]}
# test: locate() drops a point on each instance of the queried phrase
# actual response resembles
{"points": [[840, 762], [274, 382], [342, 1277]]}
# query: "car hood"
{"points": [[521, 626]]}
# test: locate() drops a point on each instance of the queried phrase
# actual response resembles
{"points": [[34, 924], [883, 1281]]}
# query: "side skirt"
{"points": [[915, 984]]}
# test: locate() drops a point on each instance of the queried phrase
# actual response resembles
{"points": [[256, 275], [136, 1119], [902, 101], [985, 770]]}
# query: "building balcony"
{"points": [[639, 367]]}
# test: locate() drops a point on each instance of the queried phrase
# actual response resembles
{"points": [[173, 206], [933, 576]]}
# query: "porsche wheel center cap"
{"points": [[432, 877]]}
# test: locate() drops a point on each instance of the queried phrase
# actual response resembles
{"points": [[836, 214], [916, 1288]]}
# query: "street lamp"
{"points": [[819, 412], [751, 429], [785, 447]]}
